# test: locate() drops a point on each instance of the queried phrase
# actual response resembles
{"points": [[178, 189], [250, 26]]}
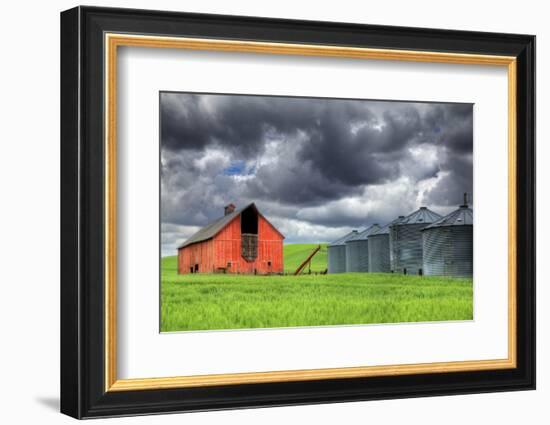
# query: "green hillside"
{"points": [[294, 254], [169, 266]]}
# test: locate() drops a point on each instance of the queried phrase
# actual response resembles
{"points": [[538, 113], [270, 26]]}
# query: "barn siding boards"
{"points": [[196, 254], [222, 251]]}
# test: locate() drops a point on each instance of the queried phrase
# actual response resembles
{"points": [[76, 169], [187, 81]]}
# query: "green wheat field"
{"points": [[219, 301]]}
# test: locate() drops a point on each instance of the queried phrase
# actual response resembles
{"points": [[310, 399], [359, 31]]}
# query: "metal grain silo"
{"points": [[406, 241], [379, 249], [357, 250], [336, 252], [449, 246]]}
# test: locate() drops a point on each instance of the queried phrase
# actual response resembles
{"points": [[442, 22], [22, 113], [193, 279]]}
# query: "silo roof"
{"points": [[363, 236], [421, 215], [344, 239], [385, 230], [464, 216]]}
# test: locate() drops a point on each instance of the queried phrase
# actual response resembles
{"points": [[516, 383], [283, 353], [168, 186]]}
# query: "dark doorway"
{"points": [[249, 221], [249, 234]]}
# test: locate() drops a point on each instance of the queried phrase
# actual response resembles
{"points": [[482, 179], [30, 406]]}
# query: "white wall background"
{"points": [[29, 213]]}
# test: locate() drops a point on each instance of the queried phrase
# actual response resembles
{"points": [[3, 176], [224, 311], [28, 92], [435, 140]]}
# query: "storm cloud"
{"points": [[315, 167]]}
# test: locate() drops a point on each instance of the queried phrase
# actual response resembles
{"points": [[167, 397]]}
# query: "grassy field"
{"points": [[217, 301], [294, 254]]}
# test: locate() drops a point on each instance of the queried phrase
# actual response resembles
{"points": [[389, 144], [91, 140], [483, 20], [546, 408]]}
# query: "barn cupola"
{"points": [[228, 209]]}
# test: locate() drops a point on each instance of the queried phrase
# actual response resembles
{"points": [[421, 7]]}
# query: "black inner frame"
{"points": [[82, 206]]}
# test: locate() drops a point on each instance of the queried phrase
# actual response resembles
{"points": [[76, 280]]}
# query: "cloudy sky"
{"points": [[316, 168]]}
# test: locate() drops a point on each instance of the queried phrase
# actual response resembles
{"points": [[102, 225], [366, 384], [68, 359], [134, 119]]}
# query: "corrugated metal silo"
{"points": [[392, 260], [337, 254], [357, 250], [449, 246], [379, 249], [406, 241]]}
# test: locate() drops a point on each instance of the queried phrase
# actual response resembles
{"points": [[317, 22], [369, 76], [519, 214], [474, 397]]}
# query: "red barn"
{"points": [[242, 241]]}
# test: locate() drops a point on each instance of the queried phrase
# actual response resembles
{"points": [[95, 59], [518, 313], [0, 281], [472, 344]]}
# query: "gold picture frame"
{"points": [[114, 41]]}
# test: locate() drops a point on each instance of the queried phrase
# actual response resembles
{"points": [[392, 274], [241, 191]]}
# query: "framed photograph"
{"points": [[261, 212]]}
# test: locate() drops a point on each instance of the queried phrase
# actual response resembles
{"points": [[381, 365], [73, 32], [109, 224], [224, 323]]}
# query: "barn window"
{"points": [[249, 234]]}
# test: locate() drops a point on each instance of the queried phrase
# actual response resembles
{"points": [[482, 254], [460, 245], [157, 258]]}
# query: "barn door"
{"points": [[249, 246]]}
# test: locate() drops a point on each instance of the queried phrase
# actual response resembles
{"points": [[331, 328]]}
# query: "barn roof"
{"points": [[464, 216], [212, 229]]}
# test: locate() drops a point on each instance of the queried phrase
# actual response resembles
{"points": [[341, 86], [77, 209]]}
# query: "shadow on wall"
{"points": [[49, 402]]}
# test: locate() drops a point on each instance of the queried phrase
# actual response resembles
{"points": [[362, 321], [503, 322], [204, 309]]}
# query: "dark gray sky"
{"points": [[316, 168]]}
